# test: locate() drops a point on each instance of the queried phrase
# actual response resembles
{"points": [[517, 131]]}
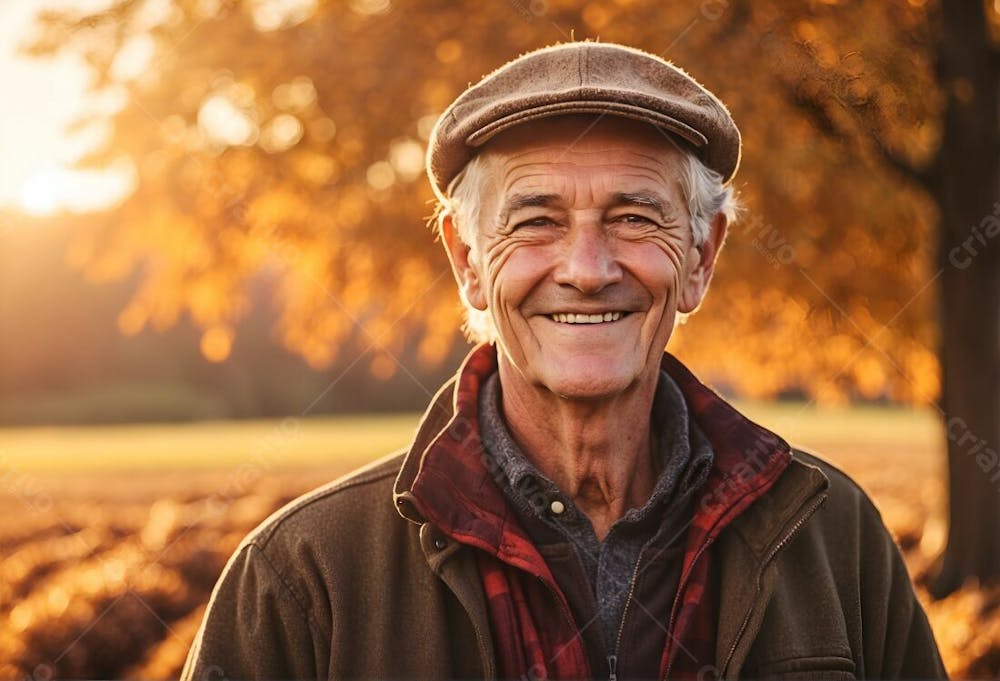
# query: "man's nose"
{"points": [[588, 261]]}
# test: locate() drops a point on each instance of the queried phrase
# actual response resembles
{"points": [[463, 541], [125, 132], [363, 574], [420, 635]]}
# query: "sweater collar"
{"points": [[683, 457]]}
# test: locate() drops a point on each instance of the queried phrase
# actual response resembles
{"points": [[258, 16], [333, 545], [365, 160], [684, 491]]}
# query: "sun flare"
{"points": [[52, 189]]}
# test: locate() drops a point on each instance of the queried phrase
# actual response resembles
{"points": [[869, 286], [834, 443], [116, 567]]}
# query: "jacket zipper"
{"points": [[613, 658], [760, 573]]}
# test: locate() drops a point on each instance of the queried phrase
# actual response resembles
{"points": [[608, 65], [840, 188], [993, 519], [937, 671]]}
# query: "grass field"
{"points": [[359, 438], [112, 537], [206, 445]]}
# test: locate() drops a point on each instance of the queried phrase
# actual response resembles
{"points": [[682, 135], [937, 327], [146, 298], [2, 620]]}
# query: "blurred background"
{"points": [[218, 288]]}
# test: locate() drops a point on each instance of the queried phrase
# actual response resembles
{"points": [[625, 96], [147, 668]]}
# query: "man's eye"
{"points": [[534, 222], [634, 219]]}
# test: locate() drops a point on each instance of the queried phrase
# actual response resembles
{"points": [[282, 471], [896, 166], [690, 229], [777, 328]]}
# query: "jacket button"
{"points": [[557, 507], [440, 543]]}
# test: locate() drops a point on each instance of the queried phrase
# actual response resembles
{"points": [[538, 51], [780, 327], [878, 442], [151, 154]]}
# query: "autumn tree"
{"points": [[962, 176], [288, 137], [965, 179]]}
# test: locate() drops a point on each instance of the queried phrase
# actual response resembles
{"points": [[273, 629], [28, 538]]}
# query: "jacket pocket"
{"points": [[811, 667]]}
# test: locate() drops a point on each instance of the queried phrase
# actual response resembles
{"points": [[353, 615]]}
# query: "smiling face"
{"points": [[583, 253]]}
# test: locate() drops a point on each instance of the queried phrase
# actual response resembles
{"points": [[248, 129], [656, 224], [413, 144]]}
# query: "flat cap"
{"points": [[583, 77]]}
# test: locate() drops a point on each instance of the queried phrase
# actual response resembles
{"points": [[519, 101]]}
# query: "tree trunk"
{"points": [[967, 186]]}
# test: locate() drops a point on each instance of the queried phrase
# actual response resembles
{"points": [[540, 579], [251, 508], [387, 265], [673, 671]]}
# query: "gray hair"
{"points": [[702, 188]]}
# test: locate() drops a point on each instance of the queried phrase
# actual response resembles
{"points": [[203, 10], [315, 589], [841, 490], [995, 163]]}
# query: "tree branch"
{"points": [[823, 122]]}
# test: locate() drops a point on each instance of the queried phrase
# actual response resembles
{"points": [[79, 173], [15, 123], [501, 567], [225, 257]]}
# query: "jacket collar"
{"points": [[443, 421], [448, 477]]}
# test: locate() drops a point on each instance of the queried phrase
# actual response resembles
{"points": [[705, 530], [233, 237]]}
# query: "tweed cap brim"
{"points": [[583, 78]]}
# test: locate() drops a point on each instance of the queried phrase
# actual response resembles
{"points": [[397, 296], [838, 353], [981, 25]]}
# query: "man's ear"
{"points": [[702, 265], [466, 274]]}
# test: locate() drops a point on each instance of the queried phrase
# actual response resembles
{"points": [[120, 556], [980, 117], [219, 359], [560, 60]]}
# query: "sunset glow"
{"points": [[36, 174], [52, 189]]}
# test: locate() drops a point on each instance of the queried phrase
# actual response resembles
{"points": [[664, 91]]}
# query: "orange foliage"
{"points": [[284, 140]]}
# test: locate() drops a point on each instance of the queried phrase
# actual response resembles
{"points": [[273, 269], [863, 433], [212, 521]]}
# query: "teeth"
{"points": [[586, 318]]}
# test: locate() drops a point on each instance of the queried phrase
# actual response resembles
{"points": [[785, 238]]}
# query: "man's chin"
{"points": [[587, 382]]}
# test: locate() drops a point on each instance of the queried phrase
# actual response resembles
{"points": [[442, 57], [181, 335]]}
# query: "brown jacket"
{"points": [[343, 583]]}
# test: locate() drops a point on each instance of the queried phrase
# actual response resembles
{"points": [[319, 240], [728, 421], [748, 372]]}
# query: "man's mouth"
{"points": [[577, 318]]}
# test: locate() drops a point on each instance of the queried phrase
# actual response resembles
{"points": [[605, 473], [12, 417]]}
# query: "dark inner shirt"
{"points": [[683, 457]]}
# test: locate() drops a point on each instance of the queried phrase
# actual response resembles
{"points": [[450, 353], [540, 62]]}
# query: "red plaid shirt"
{"points": [[534, 632]]}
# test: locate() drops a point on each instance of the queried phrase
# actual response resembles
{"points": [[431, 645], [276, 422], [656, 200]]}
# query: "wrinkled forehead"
{"points": [[606, 154]]}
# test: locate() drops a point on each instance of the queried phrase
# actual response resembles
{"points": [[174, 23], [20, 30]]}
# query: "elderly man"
{"points": [[575, 503]]}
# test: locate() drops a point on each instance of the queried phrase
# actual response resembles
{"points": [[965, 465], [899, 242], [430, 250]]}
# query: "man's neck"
{"points": [[599, 453]]}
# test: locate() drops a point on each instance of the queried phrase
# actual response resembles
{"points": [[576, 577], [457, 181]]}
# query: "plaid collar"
{"points": [[453, 481]]}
